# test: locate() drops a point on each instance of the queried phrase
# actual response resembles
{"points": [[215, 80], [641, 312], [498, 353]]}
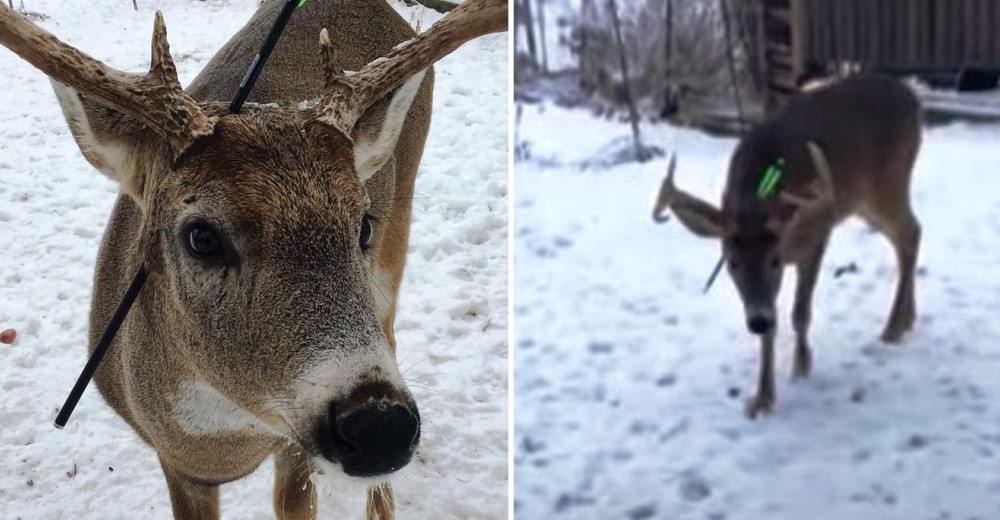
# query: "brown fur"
{"points": [[867, 128]]}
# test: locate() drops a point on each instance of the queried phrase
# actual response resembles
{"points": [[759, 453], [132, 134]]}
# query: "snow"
{"points": [[451, 325], [629, 383]]}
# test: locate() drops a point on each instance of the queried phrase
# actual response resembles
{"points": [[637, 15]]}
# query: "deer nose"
{"points": [[760, 324], [375, 438]]}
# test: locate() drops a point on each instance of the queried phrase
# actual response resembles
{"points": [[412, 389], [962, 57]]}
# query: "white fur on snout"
{"points": [[760, 311], [200, 409], [335, 375]]}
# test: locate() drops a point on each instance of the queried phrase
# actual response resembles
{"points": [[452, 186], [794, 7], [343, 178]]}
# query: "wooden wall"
{"points": [[926, 34]]}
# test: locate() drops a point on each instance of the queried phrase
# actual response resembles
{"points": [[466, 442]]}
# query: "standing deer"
{"points": [[846, 149], [274, 239]]}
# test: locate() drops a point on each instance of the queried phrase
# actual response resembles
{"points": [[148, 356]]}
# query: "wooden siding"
{"points": [[794, 36], [925, 34]]}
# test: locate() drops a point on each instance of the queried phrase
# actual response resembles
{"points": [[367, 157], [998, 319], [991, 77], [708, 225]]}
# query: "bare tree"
{"points": [[541, 33], [675, 53], [526, 22], [588, 8], [640, 151], [670, 90], [668, 18], [732, 66]]}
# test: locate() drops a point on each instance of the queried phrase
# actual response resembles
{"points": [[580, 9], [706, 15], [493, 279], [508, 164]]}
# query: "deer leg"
{"points": [[807, 269], [904, 233], [294, 492], [189, 498], [381, 505], [763, 401]]}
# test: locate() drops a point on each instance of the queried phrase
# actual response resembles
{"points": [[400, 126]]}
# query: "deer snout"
{"points": [[760, 320], [373, 432]]}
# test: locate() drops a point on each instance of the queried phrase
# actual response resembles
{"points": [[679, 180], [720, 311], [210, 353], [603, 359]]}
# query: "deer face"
{"points": [[756, 232], [261, 237], [753, 260], [267, 238]]}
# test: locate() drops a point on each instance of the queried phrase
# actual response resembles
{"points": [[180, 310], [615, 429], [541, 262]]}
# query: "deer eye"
{"points": [[367, 231], [203, 242]]}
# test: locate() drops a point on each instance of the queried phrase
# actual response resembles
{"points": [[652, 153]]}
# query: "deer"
{"points": [[846, 149], [274, 238]]}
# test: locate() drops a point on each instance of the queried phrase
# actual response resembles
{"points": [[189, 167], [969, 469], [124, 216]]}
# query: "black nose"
{"points": [[760, 324], [375, 439]]}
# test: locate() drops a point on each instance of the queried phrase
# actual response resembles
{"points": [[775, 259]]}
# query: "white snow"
{"points": [[624, 371], [451, 325]]}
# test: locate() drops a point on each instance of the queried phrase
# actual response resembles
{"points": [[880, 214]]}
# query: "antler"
{"points": [[815, 208], [668, 192], [822, 194], [346, 98], [156, 99]]}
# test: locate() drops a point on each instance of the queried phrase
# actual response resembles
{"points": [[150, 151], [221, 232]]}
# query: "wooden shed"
{"points": [[792, 40]]}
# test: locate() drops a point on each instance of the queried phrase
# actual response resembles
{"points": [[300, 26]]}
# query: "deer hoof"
{"points": [[802, 364], [893, 334], [759, 406]]}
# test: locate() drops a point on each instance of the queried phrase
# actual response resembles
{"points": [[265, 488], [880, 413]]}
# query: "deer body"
{"points": [[275, 240], [844, 150]]}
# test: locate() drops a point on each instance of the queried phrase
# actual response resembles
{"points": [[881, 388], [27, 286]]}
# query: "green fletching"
{"points": [[769, 181], [301, 3]]}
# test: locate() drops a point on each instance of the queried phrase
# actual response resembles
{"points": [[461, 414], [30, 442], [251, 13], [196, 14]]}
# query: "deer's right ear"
{"points": [[701, 218], [120, 147]]}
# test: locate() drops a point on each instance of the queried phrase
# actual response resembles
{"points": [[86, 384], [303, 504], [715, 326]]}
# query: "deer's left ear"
{"points": [[376, 133]]}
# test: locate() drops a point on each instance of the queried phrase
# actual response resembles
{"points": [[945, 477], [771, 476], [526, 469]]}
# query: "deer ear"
{"points": [[376, 133], [704, 220], [120, 147], [700, 217]]}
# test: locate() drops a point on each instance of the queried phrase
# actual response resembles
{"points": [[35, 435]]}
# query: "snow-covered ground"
{"points": [[629, 383], [451, 325]]}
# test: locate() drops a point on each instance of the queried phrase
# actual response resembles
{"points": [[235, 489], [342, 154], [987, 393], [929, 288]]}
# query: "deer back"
{"points": [[867, 126]]}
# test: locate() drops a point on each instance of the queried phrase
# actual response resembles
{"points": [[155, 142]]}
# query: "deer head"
{"points": [[759, 234], [258, 233]]}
